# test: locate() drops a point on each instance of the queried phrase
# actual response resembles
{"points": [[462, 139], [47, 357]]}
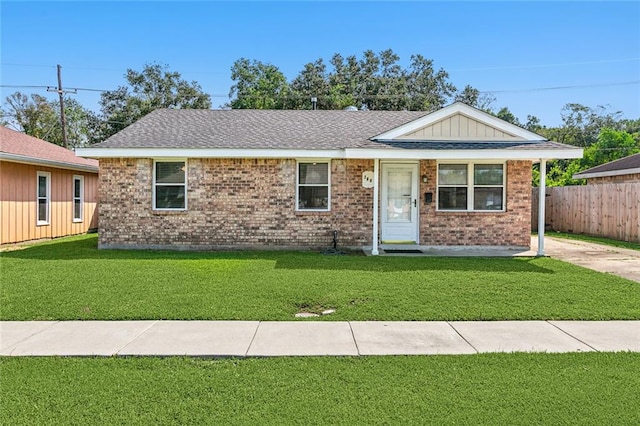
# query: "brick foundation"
{"points": [[251, 203]]}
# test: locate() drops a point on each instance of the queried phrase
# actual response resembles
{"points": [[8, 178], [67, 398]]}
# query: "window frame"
{"points": [[156, 184], [79, 199], [327, 185], [471, 186], [47, 198]]}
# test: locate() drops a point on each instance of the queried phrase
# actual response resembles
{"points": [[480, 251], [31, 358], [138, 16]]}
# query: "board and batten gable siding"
{"points": [[18, 199], [458, 127]]}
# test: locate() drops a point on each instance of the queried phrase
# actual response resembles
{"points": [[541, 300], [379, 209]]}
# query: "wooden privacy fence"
{"points": [[603, 210]]}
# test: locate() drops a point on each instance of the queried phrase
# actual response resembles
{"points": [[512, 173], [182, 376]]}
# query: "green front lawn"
{"points": [[496, 389], [71, 279]]}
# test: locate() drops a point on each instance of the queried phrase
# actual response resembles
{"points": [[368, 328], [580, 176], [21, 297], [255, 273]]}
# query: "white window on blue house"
{"points": [[170, 185], [313, 186]]}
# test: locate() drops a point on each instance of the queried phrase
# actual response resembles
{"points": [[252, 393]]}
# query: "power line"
{"points": [[579, 86], [513, 67]]}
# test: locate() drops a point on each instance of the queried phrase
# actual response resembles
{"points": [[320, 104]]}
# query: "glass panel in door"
{"points": [[399, 196]]}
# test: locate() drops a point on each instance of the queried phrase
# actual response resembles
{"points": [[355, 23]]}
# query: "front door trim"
{"points": [[402, 226]]}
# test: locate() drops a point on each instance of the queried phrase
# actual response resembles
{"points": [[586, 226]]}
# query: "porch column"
{"points": [[541, 205], [374, 246]]}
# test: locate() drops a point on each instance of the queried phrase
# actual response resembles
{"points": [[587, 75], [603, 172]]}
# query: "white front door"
{"points": [[399, 203]]}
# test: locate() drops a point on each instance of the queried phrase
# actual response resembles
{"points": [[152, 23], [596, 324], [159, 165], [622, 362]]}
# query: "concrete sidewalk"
{"points": [[302, 338]]}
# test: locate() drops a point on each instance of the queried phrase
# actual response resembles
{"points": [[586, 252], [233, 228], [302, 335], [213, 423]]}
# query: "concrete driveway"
{"points": [[618, 261]]}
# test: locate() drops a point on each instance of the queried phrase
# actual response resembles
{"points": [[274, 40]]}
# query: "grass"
{"points": [[71, 279], [514, 389], [598, 240]]}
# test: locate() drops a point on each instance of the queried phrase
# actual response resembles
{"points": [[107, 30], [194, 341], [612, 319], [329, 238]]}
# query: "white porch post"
{"points": [[374, 246], [541, 205]]}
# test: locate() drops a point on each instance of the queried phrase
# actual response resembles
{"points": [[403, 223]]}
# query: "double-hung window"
{"points": [[44, 197], [313, 186], [170, 185], [471, 187], [78, 198]]}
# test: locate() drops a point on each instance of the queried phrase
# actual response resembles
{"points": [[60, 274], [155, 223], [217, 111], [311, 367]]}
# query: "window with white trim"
{"points": [[169, 185], [471, 187], [314, 181], [43, 197], [78, 198]]}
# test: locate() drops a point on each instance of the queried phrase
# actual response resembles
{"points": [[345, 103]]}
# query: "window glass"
{"points": [[170, 185], [452, 198], [42, 210], [170, 197], [170, 172], [314, 174], [77, 198], [42, 186], [487, 174], [77, 210], [452, 174], [313, 186], [487, 198], [43, 198]]}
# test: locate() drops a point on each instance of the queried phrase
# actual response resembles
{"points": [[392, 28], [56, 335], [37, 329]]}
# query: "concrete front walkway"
{"points": [[599, 257], [302, 338]]}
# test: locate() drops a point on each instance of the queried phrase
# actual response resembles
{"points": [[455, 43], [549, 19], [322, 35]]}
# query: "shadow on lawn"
{"points": [[86, 248]]}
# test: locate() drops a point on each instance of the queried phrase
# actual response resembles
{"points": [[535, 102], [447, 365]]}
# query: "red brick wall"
{"points": [[232, 202], [251, 203]]}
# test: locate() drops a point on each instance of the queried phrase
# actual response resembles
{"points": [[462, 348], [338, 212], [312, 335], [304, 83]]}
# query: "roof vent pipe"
{"points": [[314, 103]]}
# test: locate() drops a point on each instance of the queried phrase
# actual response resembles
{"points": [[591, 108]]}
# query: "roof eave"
{"points": [[606, 174], [348, 153], [15, 158]]}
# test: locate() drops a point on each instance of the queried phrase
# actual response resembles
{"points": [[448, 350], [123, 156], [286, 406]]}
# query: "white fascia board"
{"points": [[606, 174], [460, 108], [463, 154], [14, 158], [207, 153]]}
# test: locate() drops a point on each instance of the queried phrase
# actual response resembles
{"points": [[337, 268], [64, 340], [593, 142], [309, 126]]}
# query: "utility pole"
{"points": [[61, 92]]}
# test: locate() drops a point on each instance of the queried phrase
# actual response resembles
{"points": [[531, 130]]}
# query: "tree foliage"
{"points": [[152, 88], [372, 82], [37, 116], [257, 86]]}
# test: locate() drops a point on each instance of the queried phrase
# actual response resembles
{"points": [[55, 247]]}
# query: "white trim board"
{"points": [[606, 174], [348, 153]]}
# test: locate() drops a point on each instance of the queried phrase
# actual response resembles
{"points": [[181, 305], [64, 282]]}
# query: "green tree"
{"points": [[427, 89], [373, 82], [152, 88], [257, 85], [36, 116], [508, 116], [311, 82], [472, 97], [610, 145]]}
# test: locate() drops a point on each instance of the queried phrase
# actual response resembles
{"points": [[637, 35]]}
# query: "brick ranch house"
{"points": [[207, 179]]}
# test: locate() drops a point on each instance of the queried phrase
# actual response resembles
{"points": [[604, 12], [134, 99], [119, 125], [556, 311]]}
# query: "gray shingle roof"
{"points": [[626, 163], [257, 129]]}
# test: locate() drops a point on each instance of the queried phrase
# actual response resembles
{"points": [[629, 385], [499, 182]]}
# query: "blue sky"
{"points": [[590, 49]]}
